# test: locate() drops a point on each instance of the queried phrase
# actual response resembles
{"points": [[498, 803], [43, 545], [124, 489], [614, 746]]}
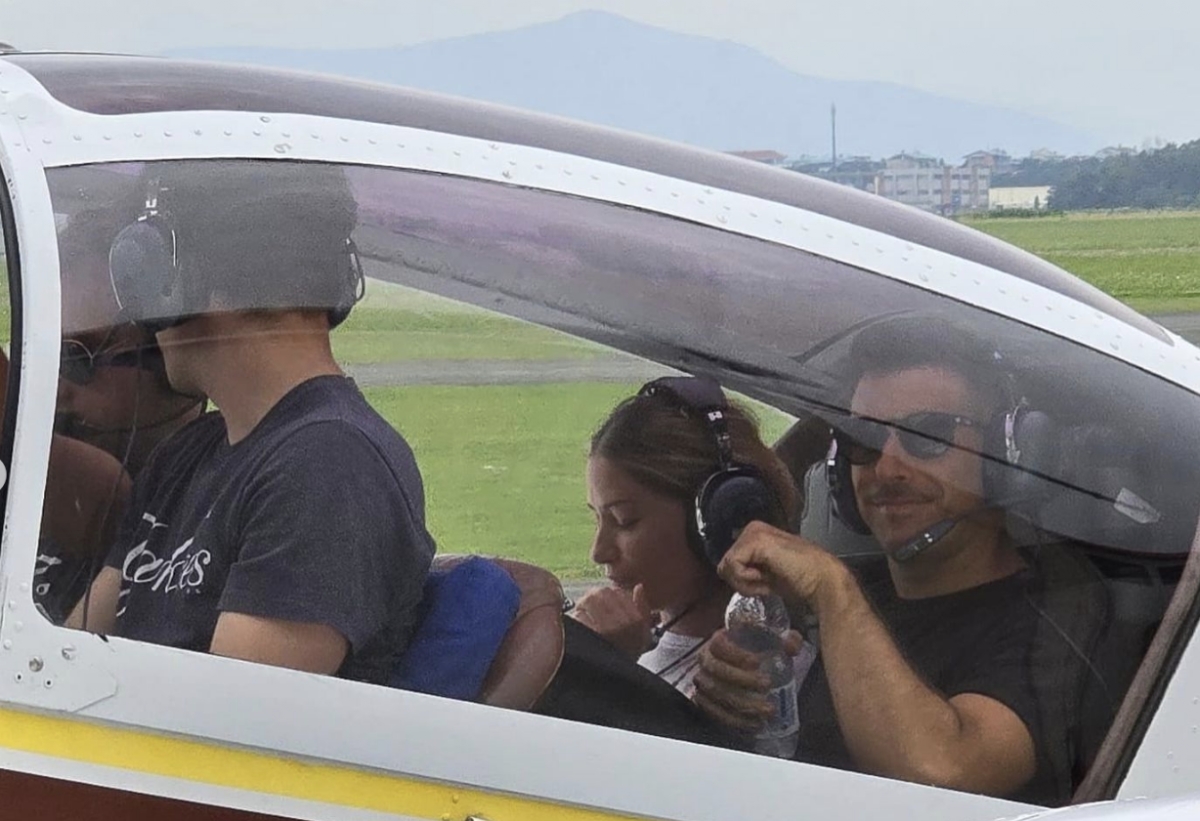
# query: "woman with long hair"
{"points": [[647, 462]]}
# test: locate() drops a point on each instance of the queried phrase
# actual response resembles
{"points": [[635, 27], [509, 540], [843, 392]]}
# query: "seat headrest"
{"points": [[467, 608], [532, 650]]}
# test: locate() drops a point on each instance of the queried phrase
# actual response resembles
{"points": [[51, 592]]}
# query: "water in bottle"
{"points": [[759, 624]]}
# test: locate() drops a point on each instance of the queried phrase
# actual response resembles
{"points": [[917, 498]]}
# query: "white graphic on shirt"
{"points": [[182, 570], [44, 562]]}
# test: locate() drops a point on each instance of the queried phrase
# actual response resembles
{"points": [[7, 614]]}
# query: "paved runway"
{"points": [[615, 368], [1186, 325]]}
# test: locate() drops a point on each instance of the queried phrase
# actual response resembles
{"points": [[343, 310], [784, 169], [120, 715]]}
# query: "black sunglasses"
{"points": [[925, 435], [77, 363]]}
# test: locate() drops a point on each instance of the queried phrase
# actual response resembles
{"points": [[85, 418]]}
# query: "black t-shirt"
{"points": [[972, 641], [316, 516], [59, 580]]}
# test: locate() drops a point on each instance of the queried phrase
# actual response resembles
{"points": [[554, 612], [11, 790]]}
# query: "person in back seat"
{"points": [[647, 462], [113, 390], [288, 528], [86, 494], [114, 406], [924, 670]]}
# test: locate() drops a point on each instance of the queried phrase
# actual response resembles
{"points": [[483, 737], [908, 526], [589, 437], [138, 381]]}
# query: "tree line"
{"points": [[1167, 177]]}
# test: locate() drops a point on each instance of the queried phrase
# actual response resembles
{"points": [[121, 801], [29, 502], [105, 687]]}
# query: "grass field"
{"points": [[1150, 260], [503, 465], [394, 323]]}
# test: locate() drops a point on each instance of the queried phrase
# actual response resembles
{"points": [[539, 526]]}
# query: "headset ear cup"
{"points": [[1003, 441], [727, 502], [353, 285], [996, 449], [144, 272], [841, 492], [1023, 448]]}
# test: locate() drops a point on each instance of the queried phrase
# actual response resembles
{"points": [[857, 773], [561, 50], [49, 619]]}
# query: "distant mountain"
{"points": [[717, 94]]}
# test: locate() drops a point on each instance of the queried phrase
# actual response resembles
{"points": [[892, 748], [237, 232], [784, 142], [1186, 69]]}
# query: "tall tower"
{"points": [[833, 132]]}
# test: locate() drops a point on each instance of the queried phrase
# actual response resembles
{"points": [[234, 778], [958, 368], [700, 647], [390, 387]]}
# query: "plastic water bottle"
{"points": [[759, 624]]}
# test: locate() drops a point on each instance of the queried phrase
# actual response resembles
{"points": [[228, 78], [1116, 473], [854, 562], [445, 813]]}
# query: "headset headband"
{"points": [[733, 495], [704, 396]]}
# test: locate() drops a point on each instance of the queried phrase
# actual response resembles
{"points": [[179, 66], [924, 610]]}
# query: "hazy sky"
{"points": [[1126, 70]]}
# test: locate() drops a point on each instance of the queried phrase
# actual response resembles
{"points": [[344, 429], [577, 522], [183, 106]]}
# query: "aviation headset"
{"points": [[734, 494], [155, 289], [1010, 440]]}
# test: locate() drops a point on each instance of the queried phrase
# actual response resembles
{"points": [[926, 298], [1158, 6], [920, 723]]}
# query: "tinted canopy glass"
{"points": [[1064, 451]]}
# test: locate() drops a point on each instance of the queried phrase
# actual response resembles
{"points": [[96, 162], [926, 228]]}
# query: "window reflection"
{"points": [[1011, 510]]}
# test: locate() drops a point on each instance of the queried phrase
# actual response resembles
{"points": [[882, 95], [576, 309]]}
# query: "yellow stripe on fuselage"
{"points": [[209, 763]]}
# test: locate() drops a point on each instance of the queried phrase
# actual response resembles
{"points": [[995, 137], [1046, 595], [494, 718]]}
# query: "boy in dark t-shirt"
{"points": [[288, 528], [314, 517]]}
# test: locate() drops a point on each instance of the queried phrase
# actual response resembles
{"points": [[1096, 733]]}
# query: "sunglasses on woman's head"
{"points": [[77, 363], [925, 435]]}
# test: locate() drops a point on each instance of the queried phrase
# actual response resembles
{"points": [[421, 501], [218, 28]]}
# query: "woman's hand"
{"points": [[622, 617]]}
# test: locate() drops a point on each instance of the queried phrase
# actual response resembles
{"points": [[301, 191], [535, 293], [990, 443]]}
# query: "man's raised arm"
{"points": [[894, 724]]}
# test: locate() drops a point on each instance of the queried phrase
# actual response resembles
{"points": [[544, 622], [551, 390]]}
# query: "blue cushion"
{"points": [[465, 613]]}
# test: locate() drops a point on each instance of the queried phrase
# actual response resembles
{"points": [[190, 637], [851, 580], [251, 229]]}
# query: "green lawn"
{"points": [[504, 465], [396, 323], [1150, 260], [373, 335]]}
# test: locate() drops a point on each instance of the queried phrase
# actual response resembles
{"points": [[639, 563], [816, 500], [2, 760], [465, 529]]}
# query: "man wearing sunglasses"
{"points": [[923, 671], [287, 527]]}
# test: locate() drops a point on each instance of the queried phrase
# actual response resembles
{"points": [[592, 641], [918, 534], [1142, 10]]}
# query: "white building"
{"points": [[1022, 196], [930, 184]]}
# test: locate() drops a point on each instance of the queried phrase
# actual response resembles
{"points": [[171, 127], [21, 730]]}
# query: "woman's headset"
{"points": [[734, 494], [152, 288]]}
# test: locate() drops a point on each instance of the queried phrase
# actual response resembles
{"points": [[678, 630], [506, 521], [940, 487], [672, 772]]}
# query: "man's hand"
{"points": [[730, 685], [767, 560], [622, 617]]}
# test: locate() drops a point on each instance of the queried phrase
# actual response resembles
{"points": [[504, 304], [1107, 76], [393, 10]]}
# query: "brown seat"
{"points": [[532, 649]]}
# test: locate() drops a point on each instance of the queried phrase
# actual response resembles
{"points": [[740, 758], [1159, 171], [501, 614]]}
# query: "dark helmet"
{"points": [[255, 235]]}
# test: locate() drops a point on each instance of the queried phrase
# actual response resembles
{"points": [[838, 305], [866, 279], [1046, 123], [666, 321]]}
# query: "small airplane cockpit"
{"points": [[340, 373]]}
